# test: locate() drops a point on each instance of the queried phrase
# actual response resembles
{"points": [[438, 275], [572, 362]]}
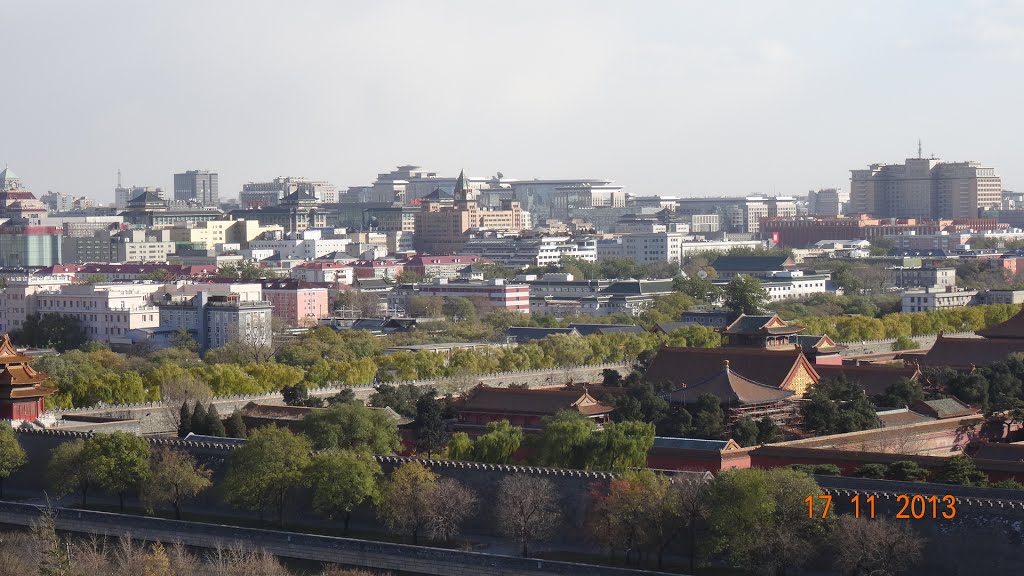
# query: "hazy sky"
{"points": [[687, 98]]}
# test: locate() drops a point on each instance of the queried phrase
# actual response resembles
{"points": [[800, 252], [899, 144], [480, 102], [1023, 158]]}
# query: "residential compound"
{"points": [[215, 321], [496, 293], [925, 188], [523, 252]]}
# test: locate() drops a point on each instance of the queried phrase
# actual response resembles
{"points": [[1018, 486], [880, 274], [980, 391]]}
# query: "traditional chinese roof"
{"points": [[816, 344], [532, 402], [694, 444], [673, 367], [760, 324], [439, 195], [523, 334], [588, 329], [17, 378], [751, 263], [730, 388], [874, 378], [901, 417], [971, 352], [1012, 328], [943, 408]]}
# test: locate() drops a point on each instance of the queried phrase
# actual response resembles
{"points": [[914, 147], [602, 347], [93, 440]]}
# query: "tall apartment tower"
{"points": [[197, 186], [925, 188]]}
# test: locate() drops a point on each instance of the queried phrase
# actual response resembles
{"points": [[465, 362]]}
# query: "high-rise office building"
{"points": [[198, 186], [924, 188]]}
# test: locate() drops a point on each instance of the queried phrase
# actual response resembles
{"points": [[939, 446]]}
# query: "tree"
{"points": [[12, 455], [401, 398], [459, 309], [620, 446], [700, 289], [452, 505], [903, 392], [157, 564], [611, 377], [235, 426], [429, 426], [174, 478], [67, 470], [184, 420], [744, 431], [837, 406], [528, 509], [460, 447], [905, 343], [565, 441], [872, 470], [50, 330], [214, 425], [768, 431], [907, 471], [708, 418], [960, 470], [352, 426], [746, 295], [198, 421], [264, 469], [498, 444], [245, 271], [879, 546], [425, 307], [119, 462], [54, 554], [758, 518], [407, 498], [342, 480], [636, 511]]}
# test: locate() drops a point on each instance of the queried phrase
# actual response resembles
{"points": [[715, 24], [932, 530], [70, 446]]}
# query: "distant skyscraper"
{"points": [[828, 202], [924, 188], [197, 186]]}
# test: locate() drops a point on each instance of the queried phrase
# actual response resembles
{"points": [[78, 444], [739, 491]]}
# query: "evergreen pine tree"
{"points": [[214, 425], [235, 426], [199, 420], [184, 420]]}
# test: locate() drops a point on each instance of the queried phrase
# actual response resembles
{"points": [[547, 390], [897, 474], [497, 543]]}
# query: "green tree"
{"points": [[565, 441], [12, 455], [758, 518], [214, 425], [429, 426], [907, 471], [401, 398], [199, 423], [245, 271], [460, 447], [50, 330], [744, 431], [872, 470], [745, 294], [235, 426], [184, 420], [407, 498], [174, 478], [903, 392], [620, 446], [342, 480], [119, 462], [68, 470], [905, 343], [837, 406], [459, 309], [352, 426], [700, 289], [498, 444], [960, 470], [264, 469], [768, 431], [708, 418]]}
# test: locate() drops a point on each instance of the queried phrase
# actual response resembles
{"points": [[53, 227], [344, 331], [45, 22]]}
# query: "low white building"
{"points": [[791, 284], [928, 300]]}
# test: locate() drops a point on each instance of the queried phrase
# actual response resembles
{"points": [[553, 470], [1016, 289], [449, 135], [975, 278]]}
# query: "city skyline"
{"points": [[662, 100]]}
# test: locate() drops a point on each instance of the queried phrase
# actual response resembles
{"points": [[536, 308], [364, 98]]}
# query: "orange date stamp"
{"points": [[911, 506]]}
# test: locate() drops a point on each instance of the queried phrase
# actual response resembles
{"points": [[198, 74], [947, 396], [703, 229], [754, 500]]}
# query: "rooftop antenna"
{"points": [[118, 177], [919, 148]]}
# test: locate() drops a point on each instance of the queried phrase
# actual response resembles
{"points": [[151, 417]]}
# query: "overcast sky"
{"points": [[687, 98]]}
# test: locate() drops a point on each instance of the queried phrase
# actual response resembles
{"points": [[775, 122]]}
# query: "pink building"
{"points": [[297, 302], [323, 272], [383, 269]]}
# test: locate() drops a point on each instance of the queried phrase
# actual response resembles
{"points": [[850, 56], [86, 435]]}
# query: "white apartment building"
{"points": [[519, 253], [644, 247], [793, 284], [218, 320], [929, 300], [309, 246], [107, 311], [320, 272]]}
